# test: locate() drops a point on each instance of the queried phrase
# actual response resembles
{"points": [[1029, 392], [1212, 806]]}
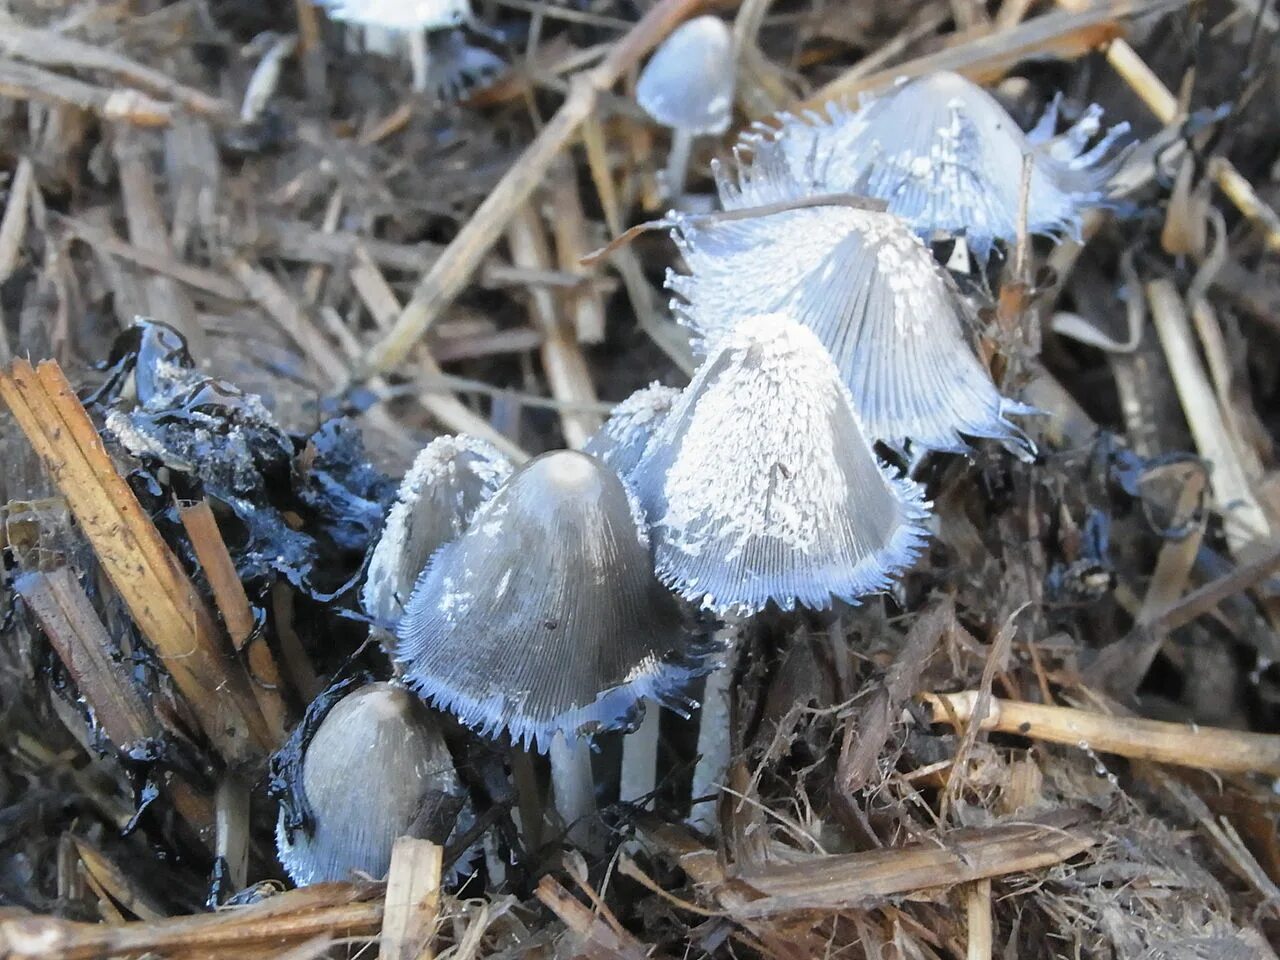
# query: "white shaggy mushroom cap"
{"points": [[375, 762], [545, 616], [447, 482], [622, 438], [893, 321], [688, 82], [400, 14], [761, 486], [946, 157]]}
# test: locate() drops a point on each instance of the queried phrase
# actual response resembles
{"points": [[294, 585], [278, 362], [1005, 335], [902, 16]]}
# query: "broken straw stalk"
{"points": [[1205, 748]]}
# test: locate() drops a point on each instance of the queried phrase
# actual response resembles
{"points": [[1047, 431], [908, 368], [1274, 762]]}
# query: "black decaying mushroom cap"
{"points": [[622, 438], [896, 326], [545, 615], [448, 480], [376, 769], [760, 485]]}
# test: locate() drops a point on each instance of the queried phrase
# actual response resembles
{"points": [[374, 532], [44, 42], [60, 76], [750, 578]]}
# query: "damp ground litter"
{"points": [[255, 257]]}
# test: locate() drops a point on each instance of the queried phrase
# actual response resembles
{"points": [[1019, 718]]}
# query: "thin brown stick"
{"points": [[451, 273], [19, 81]]}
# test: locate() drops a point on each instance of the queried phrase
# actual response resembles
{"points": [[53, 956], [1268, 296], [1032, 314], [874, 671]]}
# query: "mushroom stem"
{"points": [[678, 163], [639, 773], [419, 58], [714, 740], [574, 787]]}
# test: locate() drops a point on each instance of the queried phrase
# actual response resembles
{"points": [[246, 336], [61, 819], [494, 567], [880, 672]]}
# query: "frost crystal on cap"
{"points": [[688, 82], [760, 485], [545, 615], [376, 769], [622, 438], [399, 14], [946, 157], [892, 319], [448, 480]]}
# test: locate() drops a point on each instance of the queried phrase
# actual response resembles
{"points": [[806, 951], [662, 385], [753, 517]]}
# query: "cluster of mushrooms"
{"points": [[550, 601]]}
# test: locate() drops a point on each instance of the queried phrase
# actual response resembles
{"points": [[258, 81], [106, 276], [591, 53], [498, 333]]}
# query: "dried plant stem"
{"points": [[13, 225], [1204, 748], [977, 899], [147, 575], [412, 902], [452, 272]]}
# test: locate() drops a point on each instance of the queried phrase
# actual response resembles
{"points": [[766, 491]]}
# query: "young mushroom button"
{"points": [[545, 616], [688, 86]]}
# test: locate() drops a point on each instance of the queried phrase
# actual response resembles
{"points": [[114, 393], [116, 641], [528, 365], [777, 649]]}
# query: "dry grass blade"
{"points": [[1205, 748], [161, 598], [412, 900], [20, 81], [599, 939]]}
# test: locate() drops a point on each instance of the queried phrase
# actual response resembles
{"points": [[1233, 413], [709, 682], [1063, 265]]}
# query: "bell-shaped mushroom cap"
{"points": [[622, 438], [891, 317], [946, 157], [448, 480], [400, 14], [545, 615], [376, 769], [688, 82], [760, 485]]}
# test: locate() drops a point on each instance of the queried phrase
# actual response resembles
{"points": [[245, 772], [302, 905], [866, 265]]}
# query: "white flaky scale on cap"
{"points": [[545, 616], [890, 316], [761, 486], [376, 769], [947, 158], [447, 482], [688, 85], [621, 439]]}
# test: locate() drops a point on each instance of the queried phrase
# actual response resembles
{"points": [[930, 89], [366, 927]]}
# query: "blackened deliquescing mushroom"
{"points": [[376, 769], [688, 85]]}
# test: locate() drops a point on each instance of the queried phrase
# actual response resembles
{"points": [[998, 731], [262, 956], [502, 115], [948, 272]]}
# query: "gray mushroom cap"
{"points": [[376, 769], [545, 615], [400, 14], [892, 319], [945, 156], [761, 486], [688, 82], [444, 486], [622, 438]]}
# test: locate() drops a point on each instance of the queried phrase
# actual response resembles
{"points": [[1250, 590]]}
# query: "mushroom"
{"points": [[445, 485], [893, 320], [622, 438], [377, 768], [413, 18], [687, 85], [760, 486], [545, 620], [946, 157]]}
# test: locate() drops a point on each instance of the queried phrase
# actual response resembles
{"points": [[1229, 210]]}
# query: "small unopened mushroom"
{"points": [[376, 769], [545, 616], [447, 482], [688, 85], [893, 320], [622, 438], [761, 486], [947, 158], [413, 18]]}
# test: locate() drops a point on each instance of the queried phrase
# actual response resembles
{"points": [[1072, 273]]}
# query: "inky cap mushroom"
{"points": [[761, 486], [447, 482], [891, 317], [946, 157], [622, 438], [376, 769], [401, 15], [545, 615]]}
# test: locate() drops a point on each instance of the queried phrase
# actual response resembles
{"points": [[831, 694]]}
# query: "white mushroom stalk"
{"points": [[892, 319], [440, 492], [947, 158], [412, 18], [376, 769], [760, 485], [688, 85]]}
